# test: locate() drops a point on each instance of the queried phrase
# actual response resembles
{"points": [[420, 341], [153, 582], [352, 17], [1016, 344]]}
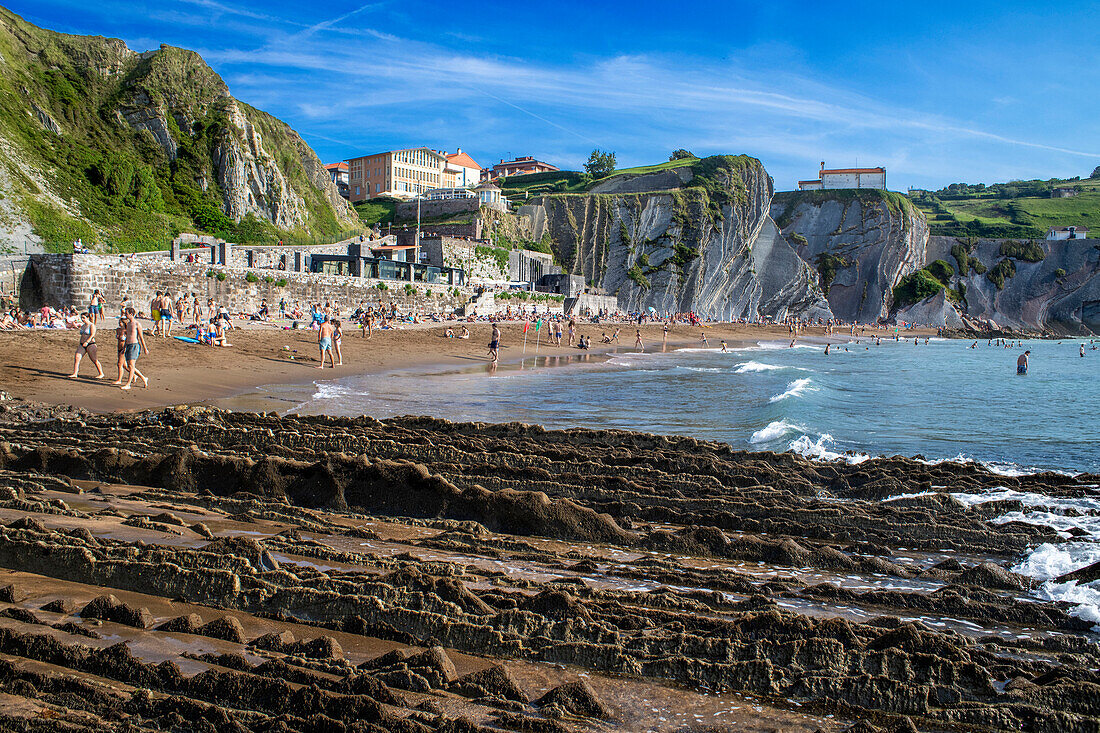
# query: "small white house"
{"points": [[1075, 232], [846, 178]]}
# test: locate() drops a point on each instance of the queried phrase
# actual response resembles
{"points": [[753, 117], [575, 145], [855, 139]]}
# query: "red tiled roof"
{"points": [[341, 166], [462, 159]]}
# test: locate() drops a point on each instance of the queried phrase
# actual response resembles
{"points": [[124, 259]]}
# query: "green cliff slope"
{"points": [[126, 150]]}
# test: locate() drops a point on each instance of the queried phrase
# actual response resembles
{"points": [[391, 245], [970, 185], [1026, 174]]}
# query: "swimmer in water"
{"points": [[1021, 363]]}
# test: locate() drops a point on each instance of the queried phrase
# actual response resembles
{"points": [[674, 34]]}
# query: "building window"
{"points": [[356, 190]]}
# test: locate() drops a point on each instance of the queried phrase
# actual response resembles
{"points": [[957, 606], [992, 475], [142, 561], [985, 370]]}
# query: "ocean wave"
{"points": [[757, 366], [797, 388], [774, 431], [1002, 468], [822, 450], [1047, 562], [331, 391]]}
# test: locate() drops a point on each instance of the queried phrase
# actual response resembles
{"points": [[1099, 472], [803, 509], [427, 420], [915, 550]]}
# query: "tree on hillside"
{"points": [[681, 154], [1095, 172], [600, 164]]}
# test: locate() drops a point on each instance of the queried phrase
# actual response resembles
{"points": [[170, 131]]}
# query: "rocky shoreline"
{"points": [[196, 569]]}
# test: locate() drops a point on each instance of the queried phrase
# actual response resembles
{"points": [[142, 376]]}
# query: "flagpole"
{"points": [[526, 324], [537, 334]]}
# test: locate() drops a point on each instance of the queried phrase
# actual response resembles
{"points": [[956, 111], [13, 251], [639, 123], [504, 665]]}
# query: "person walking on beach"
{"points": [[120, 339], [1021, 363], [87, 345], [494, 344], [638, 340], [703, 339], [135, 345], [324, 342], [154, 312], [166, 307]]}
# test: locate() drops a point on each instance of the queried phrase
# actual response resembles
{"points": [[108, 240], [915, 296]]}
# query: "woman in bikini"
{"points": [[87, 346], [337, 335], [120, 336]]}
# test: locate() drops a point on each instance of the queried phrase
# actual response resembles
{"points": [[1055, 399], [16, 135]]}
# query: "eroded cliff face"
{"points": [[89, 130], [696, 238], [860, 242], [1059, 294]]}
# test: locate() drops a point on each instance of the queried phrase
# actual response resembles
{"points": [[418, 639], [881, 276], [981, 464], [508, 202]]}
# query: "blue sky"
{"points": [[936, 91]]}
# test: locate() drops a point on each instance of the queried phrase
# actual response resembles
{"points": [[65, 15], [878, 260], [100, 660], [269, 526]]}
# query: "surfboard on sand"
{"points": [[187, 339]]}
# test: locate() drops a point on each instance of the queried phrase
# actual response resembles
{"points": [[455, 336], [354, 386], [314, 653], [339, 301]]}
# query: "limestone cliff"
{"points": [[103, 143], [1052, 287], [861, 242], [692, 238]]}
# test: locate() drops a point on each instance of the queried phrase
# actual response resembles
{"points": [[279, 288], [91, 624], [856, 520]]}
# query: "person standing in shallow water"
{"points": [[494, 344], [1021, 363]]}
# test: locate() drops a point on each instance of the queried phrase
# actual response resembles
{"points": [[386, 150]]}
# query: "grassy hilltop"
{"points": [[127, 150], [1017, 209]]}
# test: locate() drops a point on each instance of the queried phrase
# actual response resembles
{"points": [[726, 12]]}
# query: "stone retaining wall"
{"points": [[70, 279]]}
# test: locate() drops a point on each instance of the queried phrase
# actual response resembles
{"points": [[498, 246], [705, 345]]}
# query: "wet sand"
{"points": [[35, 365]]}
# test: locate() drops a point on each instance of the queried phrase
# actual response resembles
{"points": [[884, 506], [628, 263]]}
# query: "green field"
{"points": [[521, 188], [1022, 209]]}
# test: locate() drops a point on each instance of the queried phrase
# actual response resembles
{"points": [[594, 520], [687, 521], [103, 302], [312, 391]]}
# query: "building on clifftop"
{"points": [[1056, 233], [830, 178], [518, 167]]}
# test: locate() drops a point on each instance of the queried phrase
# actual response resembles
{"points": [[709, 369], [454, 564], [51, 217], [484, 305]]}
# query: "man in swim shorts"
{"points": [[135, 346], [1021, 363], [324, 342]]}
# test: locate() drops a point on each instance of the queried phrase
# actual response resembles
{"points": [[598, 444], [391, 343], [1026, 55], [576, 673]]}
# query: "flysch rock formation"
{"points": [[696, 238], [1059, 294], [868, 239], [193, 569]]}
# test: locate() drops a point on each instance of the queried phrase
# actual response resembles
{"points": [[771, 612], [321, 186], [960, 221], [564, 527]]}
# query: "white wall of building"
{"points": [[853, 180]]}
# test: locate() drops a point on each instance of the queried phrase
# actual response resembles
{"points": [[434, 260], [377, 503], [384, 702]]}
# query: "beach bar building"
{"points": [[386, 262]]}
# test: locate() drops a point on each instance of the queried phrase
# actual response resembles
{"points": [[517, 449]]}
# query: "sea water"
{"points": [[939, 400]]}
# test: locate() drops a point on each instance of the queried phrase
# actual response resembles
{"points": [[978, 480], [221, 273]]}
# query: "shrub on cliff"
{"points": [[915, 287], [252, 277], [635, 274], [940, 270], [1027, 251], [1002, 271], [827, 265]]}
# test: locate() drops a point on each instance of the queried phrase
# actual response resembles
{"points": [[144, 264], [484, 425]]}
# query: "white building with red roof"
{"points": [[845, 178], [466, 172]]}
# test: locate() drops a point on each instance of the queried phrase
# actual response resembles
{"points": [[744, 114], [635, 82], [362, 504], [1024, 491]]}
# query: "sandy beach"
{"points": [[35, 364]]}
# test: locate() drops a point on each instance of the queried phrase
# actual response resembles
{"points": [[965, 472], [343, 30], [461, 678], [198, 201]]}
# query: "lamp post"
{"points": [[416, 244]]}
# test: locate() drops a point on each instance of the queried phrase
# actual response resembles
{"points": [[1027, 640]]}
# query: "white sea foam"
{"points": [[822, 450], [774, 431], [797, 388], [1001, 468], [756, 366]]}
